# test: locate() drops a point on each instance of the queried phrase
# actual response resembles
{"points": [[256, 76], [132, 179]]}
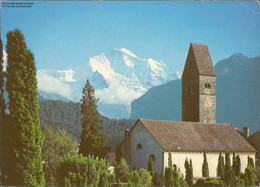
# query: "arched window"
{"points": [[139, 146], [152, 156], [208, 85]]}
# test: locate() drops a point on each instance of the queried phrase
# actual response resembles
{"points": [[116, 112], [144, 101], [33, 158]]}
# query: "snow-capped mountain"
{"points": [[118, 76], [123, 68]]}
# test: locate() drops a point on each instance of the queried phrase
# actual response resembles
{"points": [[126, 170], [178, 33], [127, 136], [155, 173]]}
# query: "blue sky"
{"points": [[65, 34]]}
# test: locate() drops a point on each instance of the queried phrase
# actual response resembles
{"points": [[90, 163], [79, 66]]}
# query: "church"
{"points": [[198, 130]]}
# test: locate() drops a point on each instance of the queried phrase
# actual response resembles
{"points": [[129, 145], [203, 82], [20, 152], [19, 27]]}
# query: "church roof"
{"points": [[202, 59], [195, 136]]}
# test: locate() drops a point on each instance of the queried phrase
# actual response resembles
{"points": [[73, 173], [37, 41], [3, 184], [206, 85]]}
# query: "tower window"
{"points": [[139, 146], [207, 85]]}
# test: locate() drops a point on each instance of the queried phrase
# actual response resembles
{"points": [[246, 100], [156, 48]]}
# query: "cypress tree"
{"points": [[190, 173], [205, 167], [151, 166], [238, 166], [234, 162], [249, 176], [250, 162], [220, 168], [223, 166], [229, 177], [169, 176], [92, 140], [169, 159], [26, 138]]}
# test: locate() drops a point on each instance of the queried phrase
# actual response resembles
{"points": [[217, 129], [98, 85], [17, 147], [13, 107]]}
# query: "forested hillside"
{"points": [[66, 115]]}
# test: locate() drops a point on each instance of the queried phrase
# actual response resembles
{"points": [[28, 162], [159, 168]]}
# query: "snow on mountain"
{"points": [[119, 76]]}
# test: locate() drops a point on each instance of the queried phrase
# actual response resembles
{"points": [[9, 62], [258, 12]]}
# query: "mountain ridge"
{"points": [[238, 98]]}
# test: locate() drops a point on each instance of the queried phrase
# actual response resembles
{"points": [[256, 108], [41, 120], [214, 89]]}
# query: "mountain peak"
{"points": [[237, 56], [127, 52]]}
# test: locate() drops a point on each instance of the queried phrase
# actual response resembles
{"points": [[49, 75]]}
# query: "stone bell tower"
{"points": [[199, 86]]}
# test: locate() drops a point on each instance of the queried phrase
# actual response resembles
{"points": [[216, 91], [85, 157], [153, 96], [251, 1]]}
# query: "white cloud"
{"points": [[117, 95], [5, 60], [51, 84], [67, 75]]}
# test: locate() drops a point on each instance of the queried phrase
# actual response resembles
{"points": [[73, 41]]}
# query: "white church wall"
{"points": [[139, 157], [179, 158]]}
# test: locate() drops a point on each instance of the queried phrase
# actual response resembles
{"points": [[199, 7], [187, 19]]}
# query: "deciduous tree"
{"points": [[56, 146]]}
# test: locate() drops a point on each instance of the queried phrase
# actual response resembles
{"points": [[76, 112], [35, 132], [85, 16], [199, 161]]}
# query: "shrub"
{"points": [[146, 178], [249, 176], [240, 182], [135, 178], [215, 183], [122, 171], [202, 182], [77, 170]]}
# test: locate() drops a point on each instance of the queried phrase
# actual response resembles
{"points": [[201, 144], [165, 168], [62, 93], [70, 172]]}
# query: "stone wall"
{"points": [[207, 99]]}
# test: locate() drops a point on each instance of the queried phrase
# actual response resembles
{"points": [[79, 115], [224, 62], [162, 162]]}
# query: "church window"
{"points": [[207, 85], [139, 146], [152, 156]]}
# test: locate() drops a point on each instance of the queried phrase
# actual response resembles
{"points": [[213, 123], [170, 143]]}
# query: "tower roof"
{"points": [[200, 55]]}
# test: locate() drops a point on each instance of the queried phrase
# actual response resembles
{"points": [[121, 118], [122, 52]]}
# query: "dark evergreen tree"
{"points": [[223, 162], [24, 131], [188, 172], [250, 162], [190, 182], [234, 162], [229, 177], [151, 166], [205, 167], [249, 176], [92, 140], [220, 168], [238, 166], [153, 173], [169, 176], [169, 159]]}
